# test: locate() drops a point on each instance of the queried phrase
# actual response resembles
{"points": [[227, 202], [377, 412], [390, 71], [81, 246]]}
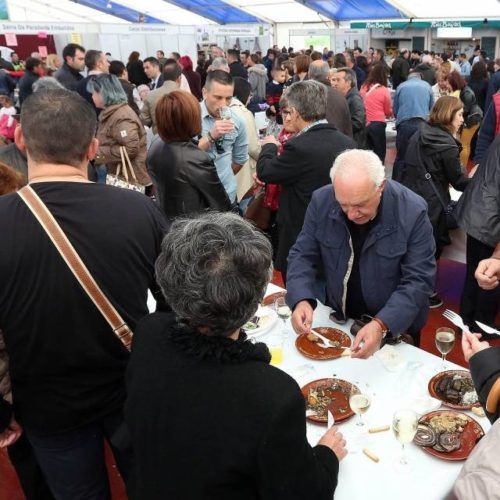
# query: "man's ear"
{"points": [[19, 139], [92, 149]]}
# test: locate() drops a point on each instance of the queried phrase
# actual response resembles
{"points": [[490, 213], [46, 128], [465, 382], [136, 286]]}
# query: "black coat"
{"points": [[485, 370], [358, 116], [399, 71], [478, 210], [128, 88], [237, 69], [68, 77], [303, 167], [210, 419], [26, 85], [81, 88], [473, 114], [435, 149], [185, 178]]}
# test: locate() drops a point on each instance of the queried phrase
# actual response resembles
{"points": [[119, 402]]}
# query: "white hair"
{"points": [[350, 162], [426, 59]]}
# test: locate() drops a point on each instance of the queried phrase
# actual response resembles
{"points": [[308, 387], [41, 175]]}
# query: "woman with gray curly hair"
{"points": [[209, 417]]}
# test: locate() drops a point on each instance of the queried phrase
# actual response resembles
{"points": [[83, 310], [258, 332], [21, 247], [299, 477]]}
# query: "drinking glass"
{"points": [[359, 401], [275, 345], [225, 113], [445, 340], [404, 426], [282, 309]]}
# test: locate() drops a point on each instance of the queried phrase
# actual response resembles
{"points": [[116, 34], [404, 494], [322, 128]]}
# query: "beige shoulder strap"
{"points": [[75, 264]]}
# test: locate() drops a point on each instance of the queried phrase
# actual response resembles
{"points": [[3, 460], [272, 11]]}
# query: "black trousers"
{"points": [[476, 303], [375, 139], [404, 132]]}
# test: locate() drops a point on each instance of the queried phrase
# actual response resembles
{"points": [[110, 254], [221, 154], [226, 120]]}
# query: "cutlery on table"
{"points": [[488, 329], [456, 320]]}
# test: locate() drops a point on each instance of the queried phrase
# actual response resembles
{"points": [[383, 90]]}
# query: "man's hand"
{"points": [[257, 182], [270, 139], [371, 335], [221, 128], [335, 441], [487, 273], [11, 434], [471, 344], [302, 317]]}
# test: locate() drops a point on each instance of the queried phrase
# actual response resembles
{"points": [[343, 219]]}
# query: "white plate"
{"points": [[268, 324]]}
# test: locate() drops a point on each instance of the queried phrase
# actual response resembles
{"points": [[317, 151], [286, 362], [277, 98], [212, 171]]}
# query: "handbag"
{"points": [[123, 181], [448, 208], [257, 212], [76, 265]]}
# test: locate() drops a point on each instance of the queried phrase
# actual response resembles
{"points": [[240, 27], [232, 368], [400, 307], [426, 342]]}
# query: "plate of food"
{"points": [[448, 434], [454, 388], [262, 321], [271, 299], [328, 392], [310, 344]]}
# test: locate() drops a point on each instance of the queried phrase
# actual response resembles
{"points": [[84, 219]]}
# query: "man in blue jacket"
{"points": [[373, 240]]}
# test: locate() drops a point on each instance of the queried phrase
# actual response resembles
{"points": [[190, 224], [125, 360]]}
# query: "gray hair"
{"points": [[109, 87], [350, 162], [213, 270], [319, 71], [308, 98], [46, 83], [426, 59], [219, 63], [350, 76]]}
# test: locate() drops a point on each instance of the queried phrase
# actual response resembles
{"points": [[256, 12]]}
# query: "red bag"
{"points": [[8, 125]]}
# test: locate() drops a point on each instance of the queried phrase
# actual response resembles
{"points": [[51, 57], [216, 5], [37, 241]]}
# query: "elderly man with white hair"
{"points": [[373, 240]]}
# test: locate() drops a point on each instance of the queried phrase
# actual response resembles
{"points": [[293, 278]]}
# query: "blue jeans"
{"points": [[73, 462], [375, 139]]}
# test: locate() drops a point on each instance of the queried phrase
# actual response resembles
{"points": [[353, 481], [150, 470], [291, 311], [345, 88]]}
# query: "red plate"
{"points": [[434, 381], [313, 351], [338, 390], [270, 299], [468, 438]]}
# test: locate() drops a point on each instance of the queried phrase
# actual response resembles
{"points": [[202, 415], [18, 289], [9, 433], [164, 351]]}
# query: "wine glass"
{"points": [[359, 401], [445, 340], [225, 113], [282, 309], [404, 426]]}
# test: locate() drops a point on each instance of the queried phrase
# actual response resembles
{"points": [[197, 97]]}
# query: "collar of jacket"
{"points": [[387, 222], [72, 70], [222, 349], [109, 110]]}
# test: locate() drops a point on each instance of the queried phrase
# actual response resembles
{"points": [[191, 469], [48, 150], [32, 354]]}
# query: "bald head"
{"points": [[318, 70]]}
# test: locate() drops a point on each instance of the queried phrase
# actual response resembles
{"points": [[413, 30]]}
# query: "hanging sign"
{"points": [[11, 39]]}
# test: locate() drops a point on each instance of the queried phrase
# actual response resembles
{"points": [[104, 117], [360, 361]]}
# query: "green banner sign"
{"points": [[4, 14], [401, 25]]}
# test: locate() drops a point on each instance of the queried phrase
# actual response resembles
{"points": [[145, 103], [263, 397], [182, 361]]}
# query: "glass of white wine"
{"points": [[359, 402], [282, 309], [404, 426], [445, 341]]}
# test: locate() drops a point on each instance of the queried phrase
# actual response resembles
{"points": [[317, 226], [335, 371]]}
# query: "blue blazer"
{"points": [[397, 263]]}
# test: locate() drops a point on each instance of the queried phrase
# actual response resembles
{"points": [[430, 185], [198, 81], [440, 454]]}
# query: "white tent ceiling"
{"points": [[275, 11]]}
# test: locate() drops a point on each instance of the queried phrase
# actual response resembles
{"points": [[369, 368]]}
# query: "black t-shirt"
{"points": [[66, 364], [355, 302]]}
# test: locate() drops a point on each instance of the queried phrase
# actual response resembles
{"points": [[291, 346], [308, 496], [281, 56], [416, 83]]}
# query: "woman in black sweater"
{"points": [[209, 417]]}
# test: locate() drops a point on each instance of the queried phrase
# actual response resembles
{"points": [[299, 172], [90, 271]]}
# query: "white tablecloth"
{"points": [[360, 478]]}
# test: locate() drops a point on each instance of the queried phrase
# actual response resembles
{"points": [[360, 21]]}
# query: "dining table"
{"points": [[390, 389]]}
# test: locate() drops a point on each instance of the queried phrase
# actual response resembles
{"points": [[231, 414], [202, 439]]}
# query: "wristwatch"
{"points": [[211, 140], [382, 325]]}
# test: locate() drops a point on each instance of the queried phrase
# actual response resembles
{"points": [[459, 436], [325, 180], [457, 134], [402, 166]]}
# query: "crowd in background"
{"points": [[254, 136]]}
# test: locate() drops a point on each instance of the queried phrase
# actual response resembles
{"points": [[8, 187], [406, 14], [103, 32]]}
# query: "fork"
{"points": [[488, 329], [455, 319], [326, 341]]}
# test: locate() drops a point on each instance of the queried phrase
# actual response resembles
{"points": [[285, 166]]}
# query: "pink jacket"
{"points": [[377, 101]]}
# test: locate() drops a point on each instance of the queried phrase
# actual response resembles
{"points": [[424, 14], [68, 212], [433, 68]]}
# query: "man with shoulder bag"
{"points": [[76, 262]]}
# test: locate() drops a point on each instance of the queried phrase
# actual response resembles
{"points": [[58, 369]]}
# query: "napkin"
{"points": [[390, 358]]}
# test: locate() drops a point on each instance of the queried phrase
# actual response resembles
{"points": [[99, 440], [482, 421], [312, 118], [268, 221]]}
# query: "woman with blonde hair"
{"points": [[52, 64], [432, 163]]}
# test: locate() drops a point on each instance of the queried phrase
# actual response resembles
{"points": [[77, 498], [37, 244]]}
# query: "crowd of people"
{"points": [[203, 206]]}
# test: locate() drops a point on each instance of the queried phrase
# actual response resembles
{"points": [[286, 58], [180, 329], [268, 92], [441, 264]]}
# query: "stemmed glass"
{"points": [[282, 309], [404, 425], [445, 340], [359, 401]]}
